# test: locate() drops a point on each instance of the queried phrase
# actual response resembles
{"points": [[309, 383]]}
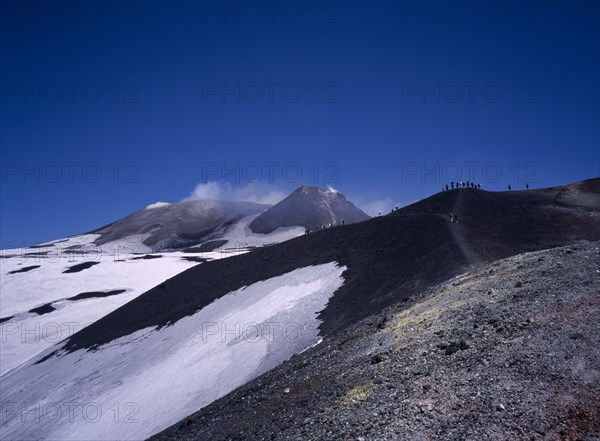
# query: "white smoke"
{"points": [[374, 205], [224, 191], [373, 208]]}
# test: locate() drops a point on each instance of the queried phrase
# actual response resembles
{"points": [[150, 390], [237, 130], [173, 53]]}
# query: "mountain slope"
{"points": [[508, 351], [140, 384], [385, 260], [310, 207], [50, 278], [175, 226], [388, 258], [52, 290]]}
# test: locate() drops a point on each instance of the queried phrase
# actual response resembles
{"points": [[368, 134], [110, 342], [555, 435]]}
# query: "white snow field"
{"points": [[239, 235], [137, 385], [26, 334]]}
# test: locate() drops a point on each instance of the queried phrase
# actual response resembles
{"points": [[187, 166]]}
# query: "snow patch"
{"points": [[240, 235], [135, 386], [27, 334]]}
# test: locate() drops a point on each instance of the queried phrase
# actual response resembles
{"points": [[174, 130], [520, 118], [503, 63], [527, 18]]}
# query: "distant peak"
{"points": [[306, 189], [314, 189], [310, 207]]}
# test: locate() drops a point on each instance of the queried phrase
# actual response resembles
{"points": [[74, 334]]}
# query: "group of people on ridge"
{"points": [[469, 184], [466, 184]]}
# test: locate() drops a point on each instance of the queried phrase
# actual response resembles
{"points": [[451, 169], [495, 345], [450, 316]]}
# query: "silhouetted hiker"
{"points": [[379, 214], [527, 186], [478, 185], [509, 187], [446, 187], [452, 185], [343, 221]]}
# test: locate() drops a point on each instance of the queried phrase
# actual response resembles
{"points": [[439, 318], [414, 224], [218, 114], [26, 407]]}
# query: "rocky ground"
{"points": [[508, 351]]}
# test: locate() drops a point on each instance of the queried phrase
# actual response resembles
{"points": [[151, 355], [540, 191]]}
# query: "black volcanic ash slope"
{"points": [[389, 258], [508, 351], [494, 225], [311, 208]]}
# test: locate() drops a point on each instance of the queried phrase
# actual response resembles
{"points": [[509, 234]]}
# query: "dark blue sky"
{"points": [[107, 107]]}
